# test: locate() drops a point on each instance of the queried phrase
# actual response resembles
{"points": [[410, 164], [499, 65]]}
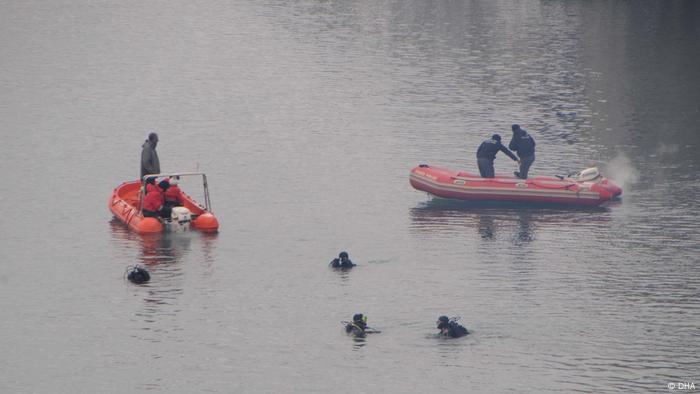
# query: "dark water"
{"points": [[307, 117]]}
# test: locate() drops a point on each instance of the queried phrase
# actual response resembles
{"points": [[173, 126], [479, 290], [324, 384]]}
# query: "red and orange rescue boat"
{"points": [[587, 187], [127, 199]]}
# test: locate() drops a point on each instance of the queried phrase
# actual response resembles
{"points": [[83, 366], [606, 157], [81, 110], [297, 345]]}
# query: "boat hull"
{"points": [[446, 183]]}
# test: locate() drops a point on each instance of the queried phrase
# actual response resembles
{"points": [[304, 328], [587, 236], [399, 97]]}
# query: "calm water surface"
{"points": [[307, 117]]}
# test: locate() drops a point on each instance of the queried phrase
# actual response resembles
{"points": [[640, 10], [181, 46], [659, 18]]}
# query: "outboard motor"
{"points": [[180, 219], [593, 179], [589, 175]]}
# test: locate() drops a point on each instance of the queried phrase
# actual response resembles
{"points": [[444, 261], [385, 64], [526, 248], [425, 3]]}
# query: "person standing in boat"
{"points": [[149, 157], [524, 145], [154, 202], [486, 154]]}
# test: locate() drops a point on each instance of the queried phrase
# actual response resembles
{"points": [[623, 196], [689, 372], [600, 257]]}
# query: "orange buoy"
{"points": [[206, 222], [150, 225]]}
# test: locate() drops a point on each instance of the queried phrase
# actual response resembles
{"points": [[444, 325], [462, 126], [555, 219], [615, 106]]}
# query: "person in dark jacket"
{"points": [[149, 157], [154, 202], [138, 274], [342, 261], [450, 328], [524, 145], [486, 154]]}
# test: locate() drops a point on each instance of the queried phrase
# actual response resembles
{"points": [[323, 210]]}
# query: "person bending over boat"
{"points": [[173, 196], [342, 261], [524, 145], [149, 157], [486, 154], [358, 326], [154, 202], [450, 328]]}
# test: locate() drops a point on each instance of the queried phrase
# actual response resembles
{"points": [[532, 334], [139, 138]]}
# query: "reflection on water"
{"points": [[358, 343], [519, 221], [451, 350]]}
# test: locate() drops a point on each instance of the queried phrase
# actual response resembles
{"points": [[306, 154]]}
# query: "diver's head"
{"points": [[496, 137], [137, 274], [515, 128], [151, 180], [442, 322], [343, 255], [164, 184], [360, 320]]}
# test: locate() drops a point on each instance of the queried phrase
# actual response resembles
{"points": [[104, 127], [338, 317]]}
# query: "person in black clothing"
{"points": [[138, 274], [486, 154], [358, 326], [342, 261], [450, 328], [524, 145], [149, 157]]}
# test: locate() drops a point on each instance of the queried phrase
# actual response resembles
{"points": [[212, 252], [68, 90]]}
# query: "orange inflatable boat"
{"points": [[127, 199], [588, 187]]}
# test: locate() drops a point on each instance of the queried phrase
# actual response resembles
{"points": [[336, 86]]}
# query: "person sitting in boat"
{"points": [[358, 326], [342, 261], [154, 202], [173, 196], [150, 183], [524, 145], [486, 154], [450, 328]]}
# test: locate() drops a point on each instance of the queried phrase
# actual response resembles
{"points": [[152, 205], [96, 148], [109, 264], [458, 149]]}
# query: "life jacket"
{"points": [[153, 200], [173, 195]]}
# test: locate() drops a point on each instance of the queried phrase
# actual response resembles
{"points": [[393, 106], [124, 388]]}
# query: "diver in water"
{"points": [[342, 261], [450, 328], [138, 274], [358, 326]]}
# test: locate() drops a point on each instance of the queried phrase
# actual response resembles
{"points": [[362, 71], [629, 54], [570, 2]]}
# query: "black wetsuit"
{"points": [[139, 275], [454, 330], [524, 145], [356, 328], [341, 263], [486, 154]]}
